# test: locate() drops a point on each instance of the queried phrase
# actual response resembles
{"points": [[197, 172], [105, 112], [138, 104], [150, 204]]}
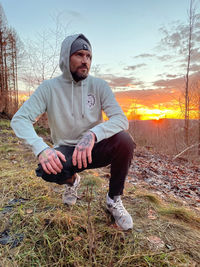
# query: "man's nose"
{"points": [[85, 59]]}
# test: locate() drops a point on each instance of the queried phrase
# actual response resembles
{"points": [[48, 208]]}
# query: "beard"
{"points": [[79, 75]]}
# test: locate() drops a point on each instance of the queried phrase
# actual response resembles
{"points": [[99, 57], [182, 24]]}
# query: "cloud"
{"points": [[120, 81], [195, 67], [170, 83], [165, 57], [176, 83], [195, 55], [74, 14], [117, 81], [172, 76], [134, 67], [150, 97], [196, 35], [145, 55]]}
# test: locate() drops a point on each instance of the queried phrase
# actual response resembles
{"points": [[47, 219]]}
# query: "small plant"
{"points": [[4, 124], [7, 148], [152, 198], [181, 214]]}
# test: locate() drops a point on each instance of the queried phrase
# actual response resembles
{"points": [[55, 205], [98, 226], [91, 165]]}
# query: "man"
{"points": [[74, 102]]}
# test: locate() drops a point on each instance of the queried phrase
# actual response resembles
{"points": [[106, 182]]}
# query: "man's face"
{"points": [[80, 63]]}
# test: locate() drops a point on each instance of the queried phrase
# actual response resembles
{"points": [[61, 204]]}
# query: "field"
{"points": [[38, 230]]}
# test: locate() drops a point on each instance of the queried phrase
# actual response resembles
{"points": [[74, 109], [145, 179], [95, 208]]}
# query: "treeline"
{"points": [[167, 136], [8, 67]]}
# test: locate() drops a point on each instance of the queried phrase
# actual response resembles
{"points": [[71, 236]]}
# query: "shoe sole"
{"points": [[113, 220]]}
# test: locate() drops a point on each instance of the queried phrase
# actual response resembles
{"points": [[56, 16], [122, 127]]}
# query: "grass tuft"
{"points": [[150, 197], [7, 148], [181, 214], [4, 124], [92, 181]]}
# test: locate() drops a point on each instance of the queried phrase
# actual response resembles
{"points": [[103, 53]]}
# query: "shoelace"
{"points": [[119, 206], [71, 190]]}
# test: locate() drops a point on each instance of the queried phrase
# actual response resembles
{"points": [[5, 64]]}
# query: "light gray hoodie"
{"points": [[73, 108]]}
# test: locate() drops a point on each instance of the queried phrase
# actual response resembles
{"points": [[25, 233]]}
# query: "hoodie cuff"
{"points": [[38, 147], [100, 135]]}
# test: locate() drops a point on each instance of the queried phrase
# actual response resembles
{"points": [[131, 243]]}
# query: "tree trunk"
{"points": [[199, 127], [187, 109]]}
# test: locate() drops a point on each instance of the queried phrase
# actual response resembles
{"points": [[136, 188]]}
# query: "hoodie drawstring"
{"points": [[72, 98], [82, 96], [82, 100]]}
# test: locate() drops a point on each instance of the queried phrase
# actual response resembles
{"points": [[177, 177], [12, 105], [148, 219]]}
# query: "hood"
{"points": [[65, 67], [65, 54]]}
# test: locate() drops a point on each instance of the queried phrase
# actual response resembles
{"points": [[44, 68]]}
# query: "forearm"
{"points": [[22, 121], [24, 129], [110, 127]]}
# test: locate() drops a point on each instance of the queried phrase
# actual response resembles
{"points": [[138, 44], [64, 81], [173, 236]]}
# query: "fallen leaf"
{"points": [[152, 214], [156, 241], [77, 238], [29, 211], [12, 157], [170, 247], [188, 196]]}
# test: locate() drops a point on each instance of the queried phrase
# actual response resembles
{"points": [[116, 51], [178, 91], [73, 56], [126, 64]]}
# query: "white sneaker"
{"points": [[122, 218], [70, 195]]}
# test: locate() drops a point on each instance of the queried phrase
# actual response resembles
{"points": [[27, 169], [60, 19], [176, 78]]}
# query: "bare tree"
{"points": [[199, 125], [3, 84], [42, 54], [8, 67], [192, 18], [197, 97], [96, 70], [181, 40]]}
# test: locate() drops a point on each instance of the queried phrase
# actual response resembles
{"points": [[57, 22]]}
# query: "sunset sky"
{"points": [[129, 43]]}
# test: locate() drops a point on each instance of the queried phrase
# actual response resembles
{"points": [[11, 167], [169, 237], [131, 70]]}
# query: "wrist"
{"points": [[42, 151], [94, 136]]}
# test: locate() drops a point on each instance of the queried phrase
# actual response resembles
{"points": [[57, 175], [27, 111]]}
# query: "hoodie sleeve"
{"points": [[117, 120], [22, 121]]}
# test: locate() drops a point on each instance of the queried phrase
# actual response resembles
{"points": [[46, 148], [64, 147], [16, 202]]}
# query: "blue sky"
{"points": [[118, 30]]}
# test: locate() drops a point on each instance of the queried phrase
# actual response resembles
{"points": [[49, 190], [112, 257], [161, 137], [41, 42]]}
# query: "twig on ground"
{"points": [[182, 152]]}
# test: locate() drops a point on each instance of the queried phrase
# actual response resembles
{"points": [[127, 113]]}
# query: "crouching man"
{"points": [[74, 103]]}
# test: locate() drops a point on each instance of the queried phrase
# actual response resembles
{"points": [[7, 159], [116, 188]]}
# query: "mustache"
{"points": [[83, 66]]}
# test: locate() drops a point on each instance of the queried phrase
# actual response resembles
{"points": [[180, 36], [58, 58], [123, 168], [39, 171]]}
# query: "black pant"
{"points": [[116, 150]]}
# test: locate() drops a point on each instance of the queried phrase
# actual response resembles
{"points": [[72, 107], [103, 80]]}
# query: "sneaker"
{"points": [[70, 195], [122, 218]]}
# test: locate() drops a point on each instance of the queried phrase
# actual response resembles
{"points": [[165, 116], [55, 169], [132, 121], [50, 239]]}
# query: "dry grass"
{"points": [[85, 235]]}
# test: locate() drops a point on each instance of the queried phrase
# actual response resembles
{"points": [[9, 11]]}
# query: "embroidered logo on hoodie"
{"points": [[91, 101]]}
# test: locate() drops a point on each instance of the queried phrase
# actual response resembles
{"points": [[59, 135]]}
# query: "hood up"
{"points": [[64, 64], [65, 54]]}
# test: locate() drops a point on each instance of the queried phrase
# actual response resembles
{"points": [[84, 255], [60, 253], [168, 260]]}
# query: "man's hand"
{"points": [[83, 150], [49, 159]]}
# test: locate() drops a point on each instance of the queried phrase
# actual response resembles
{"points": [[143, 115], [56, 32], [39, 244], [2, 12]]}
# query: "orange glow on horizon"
{"points": [[146, 113], [130, 85], [154, 105], [140, 111]]}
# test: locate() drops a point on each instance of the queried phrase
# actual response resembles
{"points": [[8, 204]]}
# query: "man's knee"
{"points": [[66, 176], [125, 141]]}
